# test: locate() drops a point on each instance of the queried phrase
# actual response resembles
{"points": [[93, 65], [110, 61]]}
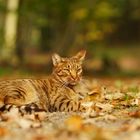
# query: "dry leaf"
{"points": [[110, 117], [105, 107], [3, 131], [115, 96], [135, 125], [74, 123], [24, 123], [12, 115], [37, 116], [135, 114]]}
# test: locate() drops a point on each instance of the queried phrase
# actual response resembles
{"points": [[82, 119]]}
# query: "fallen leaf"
{"points": [[74, 123], [135, 114], [3, 131], [105, 107]]}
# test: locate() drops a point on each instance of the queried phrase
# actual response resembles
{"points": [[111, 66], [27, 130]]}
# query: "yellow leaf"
{"points": [[74, 123], [79, 14]]}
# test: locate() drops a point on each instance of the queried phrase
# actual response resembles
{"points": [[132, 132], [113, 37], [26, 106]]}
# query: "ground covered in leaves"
{"points": [[113, 113]]}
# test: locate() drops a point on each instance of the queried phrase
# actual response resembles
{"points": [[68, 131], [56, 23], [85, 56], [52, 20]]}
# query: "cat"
{"points": [[55, 93]]}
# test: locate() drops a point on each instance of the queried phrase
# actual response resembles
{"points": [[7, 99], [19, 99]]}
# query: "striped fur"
{"points": [[55, 93]]}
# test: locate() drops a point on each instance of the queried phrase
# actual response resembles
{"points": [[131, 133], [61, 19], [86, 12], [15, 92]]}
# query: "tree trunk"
{"points": [[10, 31]]}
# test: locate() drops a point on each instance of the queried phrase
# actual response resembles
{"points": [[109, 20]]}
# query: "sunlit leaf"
{"points": [[79, 14], [74, 123]]}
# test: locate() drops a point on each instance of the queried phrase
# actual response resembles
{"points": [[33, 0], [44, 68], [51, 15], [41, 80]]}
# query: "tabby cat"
{"points": [[56, 93]]}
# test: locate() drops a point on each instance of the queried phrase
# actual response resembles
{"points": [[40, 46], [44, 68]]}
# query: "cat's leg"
{"points": [[65, 104], [18, 101], [30, 108], [7, 107], [70, 105], [10, 102], [23, 109], [14, 99]]}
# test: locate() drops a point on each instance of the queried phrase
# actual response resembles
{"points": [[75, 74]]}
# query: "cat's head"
{"points": [[69, 70]]}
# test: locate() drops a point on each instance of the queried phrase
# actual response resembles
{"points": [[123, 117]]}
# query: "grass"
{"points": [[4, 71]]}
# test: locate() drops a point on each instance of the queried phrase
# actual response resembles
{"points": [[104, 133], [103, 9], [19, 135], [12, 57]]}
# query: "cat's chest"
{"points": [[66, 91]]}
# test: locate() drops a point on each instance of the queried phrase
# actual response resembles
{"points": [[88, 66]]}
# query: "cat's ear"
{"points": [[56, 59], [81, 55]]}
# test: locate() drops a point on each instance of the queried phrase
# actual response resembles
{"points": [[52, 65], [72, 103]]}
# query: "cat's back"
{"points": [[10, 85], [29, 90], [22, 83]]}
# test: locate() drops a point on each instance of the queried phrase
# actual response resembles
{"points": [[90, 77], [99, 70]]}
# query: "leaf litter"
{"points": [[112, 113]]}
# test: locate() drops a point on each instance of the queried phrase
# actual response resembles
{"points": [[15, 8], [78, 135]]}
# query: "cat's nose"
{"points": [[73, 74]]}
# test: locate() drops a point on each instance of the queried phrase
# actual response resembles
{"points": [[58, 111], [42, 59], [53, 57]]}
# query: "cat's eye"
{"points": [[79, 71], [68, 66], [65, 69], [79, 68], [62, 73]]}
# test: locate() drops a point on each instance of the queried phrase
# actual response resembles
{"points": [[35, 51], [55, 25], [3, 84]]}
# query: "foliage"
{"points": [[88, 21], [103, 28]]}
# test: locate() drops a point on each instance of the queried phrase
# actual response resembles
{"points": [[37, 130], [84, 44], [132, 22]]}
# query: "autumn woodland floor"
{"points": [[113, 115]]}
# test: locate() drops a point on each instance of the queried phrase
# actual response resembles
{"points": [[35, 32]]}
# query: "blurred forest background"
{"points": [[31, 30]]}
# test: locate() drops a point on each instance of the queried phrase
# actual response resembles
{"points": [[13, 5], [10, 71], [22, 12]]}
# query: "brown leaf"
{"points": [[135, 114], [74, 123], [3, 131]]}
